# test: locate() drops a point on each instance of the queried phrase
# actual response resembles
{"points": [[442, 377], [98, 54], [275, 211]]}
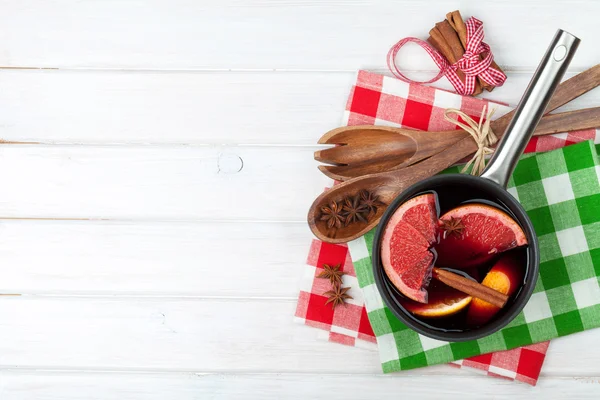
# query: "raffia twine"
{"points": [[480, 131]]}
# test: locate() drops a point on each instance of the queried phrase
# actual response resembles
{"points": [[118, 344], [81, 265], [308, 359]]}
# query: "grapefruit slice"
{"points": [[407, 260], [443, 302], [421, 213], [484, 232], [405, 253]]}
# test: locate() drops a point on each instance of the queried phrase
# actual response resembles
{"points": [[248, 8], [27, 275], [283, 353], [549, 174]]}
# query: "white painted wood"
{"points": [[187, 289], [22, 385], [201, 335], [158, 183], [167, 334], [112, 107], [270, 34], [233, 259], [167, 107]]}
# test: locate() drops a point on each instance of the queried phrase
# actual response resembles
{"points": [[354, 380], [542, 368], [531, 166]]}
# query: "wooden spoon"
{"points": [[368, 149], [388, 185]]}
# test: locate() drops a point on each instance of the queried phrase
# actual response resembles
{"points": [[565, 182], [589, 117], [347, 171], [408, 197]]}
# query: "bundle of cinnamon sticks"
{"points": [[449, 37]]}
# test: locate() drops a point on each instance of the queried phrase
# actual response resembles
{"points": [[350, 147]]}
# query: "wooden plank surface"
{"points": [[180, 135], [168, 183], [270, 34], [223, 335], [17, 385], [249, 259], [182, 108]]}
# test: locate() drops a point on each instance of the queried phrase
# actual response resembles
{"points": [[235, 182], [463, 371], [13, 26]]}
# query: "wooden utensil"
{"points": [[387, 185], [368, 149]]}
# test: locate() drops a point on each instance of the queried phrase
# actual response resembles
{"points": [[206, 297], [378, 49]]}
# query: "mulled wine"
{"points": [[471, 234]]}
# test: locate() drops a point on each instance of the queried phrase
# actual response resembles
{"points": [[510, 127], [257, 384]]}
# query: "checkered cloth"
{"points": [[560, 190], [345, 324], [389, 107], [349, 325], [523, 364], [380, 100]]}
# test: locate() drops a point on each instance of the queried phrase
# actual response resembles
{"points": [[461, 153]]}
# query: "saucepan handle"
{"points": [[531, 107]]}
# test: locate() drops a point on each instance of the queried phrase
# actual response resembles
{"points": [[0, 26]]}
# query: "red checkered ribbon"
{"points": [[470, 63]]}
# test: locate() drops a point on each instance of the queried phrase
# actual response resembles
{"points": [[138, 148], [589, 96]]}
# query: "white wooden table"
{"points": [[156, 229]]}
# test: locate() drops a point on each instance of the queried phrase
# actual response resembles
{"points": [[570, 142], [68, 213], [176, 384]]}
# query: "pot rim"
{"points": [[529, 281]]}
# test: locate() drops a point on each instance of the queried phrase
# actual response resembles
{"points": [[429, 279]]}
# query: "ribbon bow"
{"points": [[480, 131], [470, 63]]}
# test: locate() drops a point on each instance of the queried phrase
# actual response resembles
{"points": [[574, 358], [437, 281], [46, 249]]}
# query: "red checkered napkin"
{"points": [[522, 363], [379, 100], [344, 324]]}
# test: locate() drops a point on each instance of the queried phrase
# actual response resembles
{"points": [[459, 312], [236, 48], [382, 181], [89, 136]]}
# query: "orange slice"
{"points": [[443, 302], [506, 277]]}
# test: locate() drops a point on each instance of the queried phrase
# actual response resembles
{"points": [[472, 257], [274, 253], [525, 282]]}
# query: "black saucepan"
{"points": [[490, 186]]}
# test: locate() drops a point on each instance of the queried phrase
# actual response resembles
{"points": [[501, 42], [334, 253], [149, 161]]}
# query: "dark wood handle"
{"points": [[574, 87], [566, 91], [569, 121], [436, 163], [561, 122]]}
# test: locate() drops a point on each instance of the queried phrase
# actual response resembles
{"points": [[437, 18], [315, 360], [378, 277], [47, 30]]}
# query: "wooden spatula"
{"points": [[367, 149], [387, 185]]}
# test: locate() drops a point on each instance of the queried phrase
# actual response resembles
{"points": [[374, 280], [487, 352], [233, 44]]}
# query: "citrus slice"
{"points": [[421, 213], [506, 276], [443, 302], [476, 233], [405, 253]]}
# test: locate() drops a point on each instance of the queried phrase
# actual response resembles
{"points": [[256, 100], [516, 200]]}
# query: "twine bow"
{"points": [[480, 131], [469, 64]]}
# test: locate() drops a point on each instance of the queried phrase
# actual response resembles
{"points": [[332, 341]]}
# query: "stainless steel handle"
{"points": [[531, 107]]}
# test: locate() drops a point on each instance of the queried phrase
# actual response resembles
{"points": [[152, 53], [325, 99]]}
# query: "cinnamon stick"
{"points": [[470, 287], [445, 39], [457, 23]]}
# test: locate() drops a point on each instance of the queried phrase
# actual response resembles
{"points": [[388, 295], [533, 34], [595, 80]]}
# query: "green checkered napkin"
{"points": [[560, 191]]}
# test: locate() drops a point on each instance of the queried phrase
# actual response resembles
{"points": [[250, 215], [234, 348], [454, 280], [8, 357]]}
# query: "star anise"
{"points": [[453, 226], [332, 273], [337, 296], [370, 201], [353, 210], [333, 215]]}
